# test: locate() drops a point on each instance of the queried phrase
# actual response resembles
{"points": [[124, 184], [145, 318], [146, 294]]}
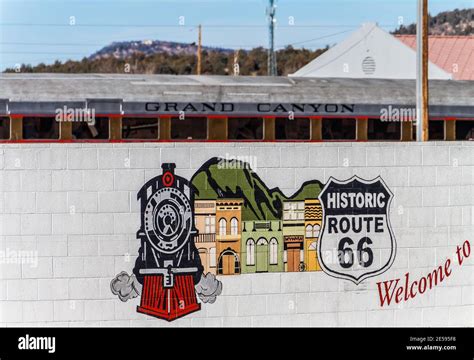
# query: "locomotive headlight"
{"points": [[168, 220]]}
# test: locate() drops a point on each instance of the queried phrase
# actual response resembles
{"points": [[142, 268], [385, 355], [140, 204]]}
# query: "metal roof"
{"points": [[455, 54], [77, 87], [24, 91]]}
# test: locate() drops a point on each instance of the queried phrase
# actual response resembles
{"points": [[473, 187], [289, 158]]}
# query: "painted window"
{"points": [[293, 211], [212, 257], [309, 231], [250, 252], [234, 226], [273, 251], [316, 230], [293, 215], [210, 225], [312, 246], [222, 227], [300, 210]]}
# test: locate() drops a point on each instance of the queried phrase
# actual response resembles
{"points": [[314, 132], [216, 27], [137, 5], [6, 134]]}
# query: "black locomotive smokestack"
{"points": [[168, 167]]}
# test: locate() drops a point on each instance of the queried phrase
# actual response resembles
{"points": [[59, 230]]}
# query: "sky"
{"points": [[35, 31]]}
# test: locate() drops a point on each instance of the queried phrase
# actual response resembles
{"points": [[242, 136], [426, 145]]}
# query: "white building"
{"points": [[369, 52]]}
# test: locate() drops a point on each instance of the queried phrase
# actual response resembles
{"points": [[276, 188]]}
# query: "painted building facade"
{"points": [[293, 235], [228, 236], [205, 221], [262, 246], [313, 214]]}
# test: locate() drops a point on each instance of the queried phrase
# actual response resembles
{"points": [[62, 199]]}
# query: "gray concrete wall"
{"points": [[74, 207]]}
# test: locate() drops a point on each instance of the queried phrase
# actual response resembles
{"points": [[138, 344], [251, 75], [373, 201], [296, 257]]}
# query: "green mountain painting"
{"points": [[229, 179]]}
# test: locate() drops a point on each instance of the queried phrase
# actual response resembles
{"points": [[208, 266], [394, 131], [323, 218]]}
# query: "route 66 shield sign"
{"points": [[357, 240]]}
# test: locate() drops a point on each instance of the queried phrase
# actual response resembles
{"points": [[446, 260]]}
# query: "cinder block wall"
{"points": [[74, 206]]}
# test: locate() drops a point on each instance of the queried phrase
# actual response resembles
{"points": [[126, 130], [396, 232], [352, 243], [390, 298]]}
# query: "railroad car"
{"points": [[154, 108]]}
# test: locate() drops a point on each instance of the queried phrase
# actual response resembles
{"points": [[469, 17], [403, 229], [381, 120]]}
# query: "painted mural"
{"points": [[226, 221], [245, 227], [357, 225]]}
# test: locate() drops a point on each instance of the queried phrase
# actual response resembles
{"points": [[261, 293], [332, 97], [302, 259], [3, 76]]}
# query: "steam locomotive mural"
{"points": [[226, 221], [168, 273], [168, 265]]}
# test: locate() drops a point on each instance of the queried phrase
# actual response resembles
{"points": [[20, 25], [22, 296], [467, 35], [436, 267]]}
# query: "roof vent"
{"points": [[368, 65]]}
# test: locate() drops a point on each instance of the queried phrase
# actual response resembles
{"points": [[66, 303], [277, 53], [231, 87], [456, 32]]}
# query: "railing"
{"points": [[203, 238]]}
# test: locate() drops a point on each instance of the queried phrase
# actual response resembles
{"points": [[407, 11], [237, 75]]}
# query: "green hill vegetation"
{"points": [[231, 179]]}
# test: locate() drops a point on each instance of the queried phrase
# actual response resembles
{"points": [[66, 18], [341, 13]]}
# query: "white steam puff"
{"points": [[208, 288], [126, 287]]}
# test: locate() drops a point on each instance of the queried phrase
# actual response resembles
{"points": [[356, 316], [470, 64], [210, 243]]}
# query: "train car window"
{"points": [[339, 129], [85, 130], [40, 128], [189, 128], [296, 129], [140, 128], [384, 130], [245, 129], [436, 130], [4, 128], [464, 129]]}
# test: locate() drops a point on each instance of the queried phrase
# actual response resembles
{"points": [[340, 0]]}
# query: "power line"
{"points": [[49, 44], [41, 53], [318, 38], [210, 26], [210, 47]]}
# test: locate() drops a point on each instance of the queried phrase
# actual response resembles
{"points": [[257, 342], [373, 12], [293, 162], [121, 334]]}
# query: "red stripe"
{"points": [[231, 116], [120, 141]]}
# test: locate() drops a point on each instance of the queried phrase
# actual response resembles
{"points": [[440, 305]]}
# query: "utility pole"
{"points": [[422, 95], [199, 50], [272, 68], [236, 66]]}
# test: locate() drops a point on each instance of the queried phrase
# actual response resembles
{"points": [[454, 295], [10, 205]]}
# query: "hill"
{"points": [[167, 57], [456, 22], [215, 62], [230, 179], [125, 49]]}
